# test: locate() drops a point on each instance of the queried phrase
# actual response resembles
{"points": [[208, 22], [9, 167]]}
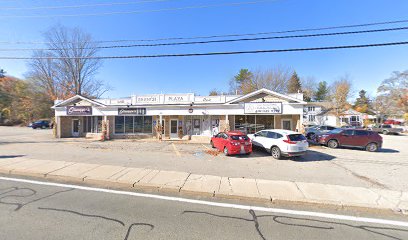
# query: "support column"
{"points": [[58, 127]]}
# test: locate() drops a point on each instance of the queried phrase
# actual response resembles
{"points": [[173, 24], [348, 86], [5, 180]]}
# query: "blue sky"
{"points": [[366, 67]]}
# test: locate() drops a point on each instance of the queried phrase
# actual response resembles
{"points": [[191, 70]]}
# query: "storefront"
{"points": [[179, 115]]}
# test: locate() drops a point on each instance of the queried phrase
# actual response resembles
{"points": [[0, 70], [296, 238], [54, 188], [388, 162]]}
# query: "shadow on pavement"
{"points": [[11, 156]]}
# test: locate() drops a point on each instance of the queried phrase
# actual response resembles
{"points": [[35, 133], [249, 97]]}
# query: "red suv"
{"points": [[233, 142], [370, 141]]}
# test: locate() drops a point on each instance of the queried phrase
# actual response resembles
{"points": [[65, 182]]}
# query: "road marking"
{"points": [[217, 204], [206, 147], [175, 150]]}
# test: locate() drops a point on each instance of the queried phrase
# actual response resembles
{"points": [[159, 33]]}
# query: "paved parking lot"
{"points": [[351, 167]]}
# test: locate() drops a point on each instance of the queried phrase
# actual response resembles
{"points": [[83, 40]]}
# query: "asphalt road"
{"points": [[33, 211]]}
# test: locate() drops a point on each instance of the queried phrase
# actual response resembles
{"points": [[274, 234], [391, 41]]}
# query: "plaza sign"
{"points": [[264, 108], [79, 110]]}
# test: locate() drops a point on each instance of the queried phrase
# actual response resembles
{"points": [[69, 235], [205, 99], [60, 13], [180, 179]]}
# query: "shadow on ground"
{"points": [[11, 156]]}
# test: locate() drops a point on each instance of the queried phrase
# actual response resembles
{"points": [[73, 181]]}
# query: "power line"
{"points": [[81, 6], [139, 11], [219, 53], [229, 35], [216, 41]]}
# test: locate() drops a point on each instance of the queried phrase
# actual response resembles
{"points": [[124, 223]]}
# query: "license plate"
{"points": [[242, 149]]}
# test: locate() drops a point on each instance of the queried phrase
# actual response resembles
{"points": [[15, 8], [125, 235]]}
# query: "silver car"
{"points": [[317, 130]]}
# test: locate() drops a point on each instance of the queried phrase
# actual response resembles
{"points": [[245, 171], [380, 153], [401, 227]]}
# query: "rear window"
{"points": [[239, 137], [296, 137], [386, 126]]}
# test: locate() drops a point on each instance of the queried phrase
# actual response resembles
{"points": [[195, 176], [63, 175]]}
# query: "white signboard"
{"points": [[208, 99], [148, 99], [264, 108], [177, 98], [121, 101]]}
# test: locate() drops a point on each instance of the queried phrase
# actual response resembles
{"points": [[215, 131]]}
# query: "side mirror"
{"points": [[256, 135]]}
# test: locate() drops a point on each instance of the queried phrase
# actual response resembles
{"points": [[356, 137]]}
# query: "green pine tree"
{"points": [[322, 92], [294, 85]]}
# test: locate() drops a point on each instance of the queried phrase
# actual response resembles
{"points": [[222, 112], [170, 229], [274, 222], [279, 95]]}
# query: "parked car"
{"points": [[369, 140], [232, 142], [392, 122], [316, 130], [280, 142], [40, 124], [386, 129]]}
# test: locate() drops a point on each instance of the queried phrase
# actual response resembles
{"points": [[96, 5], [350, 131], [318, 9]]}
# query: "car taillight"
{"points": [[288, 141]]}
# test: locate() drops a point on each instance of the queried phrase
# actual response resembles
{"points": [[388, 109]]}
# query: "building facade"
{"points": [[320, 113], [181, 115]]}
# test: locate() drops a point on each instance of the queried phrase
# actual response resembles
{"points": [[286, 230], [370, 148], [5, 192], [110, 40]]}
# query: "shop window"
{"points": [[119, 124], [133, 124], [93, 124], [147, 124], [128, 124], [253, 123]]}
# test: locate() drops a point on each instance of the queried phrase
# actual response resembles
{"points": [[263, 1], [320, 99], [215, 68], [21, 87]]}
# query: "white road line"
{"points": [[217, 204]]}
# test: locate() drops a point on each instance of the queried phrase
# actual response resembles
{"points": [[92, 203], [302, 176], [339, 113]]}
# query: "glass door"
{"points": [[173, 128], [75, 127]]}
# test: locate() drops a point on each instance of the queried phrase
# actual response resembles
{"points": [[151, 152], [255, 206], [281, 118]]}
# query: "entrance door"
{"points": [[287, 124], [75, 127], [173, 128]]}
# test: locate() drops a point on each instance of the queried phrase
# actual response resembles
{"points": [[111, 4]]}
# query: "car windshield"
{"points": [[239, 137], [296, 137], [335, 131]]}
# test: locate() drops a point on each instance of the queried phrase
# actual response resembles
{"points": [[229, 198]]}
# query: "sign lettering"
{"points": [[132, 111], [264, 108], [79, 110]]}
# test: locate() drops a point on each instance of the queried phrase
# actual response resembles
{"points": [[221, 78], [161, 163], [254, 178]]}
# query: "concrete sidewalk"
{"points": [[213, 186]]}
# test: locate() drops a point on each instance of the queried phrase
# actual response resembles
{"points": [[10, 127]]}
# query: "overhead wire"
{"points": [[218, 53], [139, 11], [216, 41], [225, 35]]}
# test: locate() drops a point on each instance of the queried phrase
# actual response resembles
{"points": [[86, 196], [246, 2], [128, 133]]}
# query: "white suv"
{"points": [[280, 142]]}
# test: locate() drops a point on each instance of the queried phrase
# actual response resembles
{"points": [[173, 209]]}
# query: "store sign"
{"points": [[132, 111], [121, 101], [79, 110], [264, 108], [179, 98], [208, 99], [148, 99]]}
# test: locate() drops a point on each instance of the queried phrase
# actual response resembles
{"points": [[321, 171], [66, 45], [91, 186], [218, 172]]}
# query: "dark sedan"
{"points": [[368, 140]]}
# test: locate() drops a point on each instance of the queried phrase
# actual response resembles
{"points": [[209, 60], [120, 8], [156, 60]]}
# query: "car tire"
{"points": [[248, 153], [276, 152], [212, 144], [333, 143], [372, 147], [42, 127], [226, 153], [385, 132]]}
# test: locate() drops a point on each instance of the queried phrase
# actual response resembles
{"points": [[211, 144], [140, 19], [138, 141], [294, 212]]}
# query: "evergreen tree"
{"points": [[362, 103], [294, 85], [322, 92], [2, 73]]}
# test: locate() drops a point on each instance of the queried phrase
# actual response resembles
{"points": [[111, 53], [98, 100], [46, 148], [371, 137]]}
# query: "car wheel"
{"points": [[385, 132], [276, 152], [226, 153], [43, 127], [212, 144], [332, 144], [372, 147]]}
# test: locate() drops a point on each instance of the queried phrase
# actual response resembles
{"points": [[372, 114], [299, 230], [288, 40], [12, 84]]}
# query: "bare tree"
{"points": [[275, 79], [341, 90], [309, 88], [70, 68], [393, 94]]}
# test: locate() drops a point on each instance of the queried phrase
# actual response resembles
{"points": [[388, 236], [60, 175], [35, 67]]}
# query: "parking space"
{"points": [[352, 167]]}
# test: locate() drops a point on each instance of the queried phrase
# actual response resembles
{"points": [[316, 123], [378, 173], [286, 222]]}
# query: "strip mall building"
{"points": [[182, 115]]}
